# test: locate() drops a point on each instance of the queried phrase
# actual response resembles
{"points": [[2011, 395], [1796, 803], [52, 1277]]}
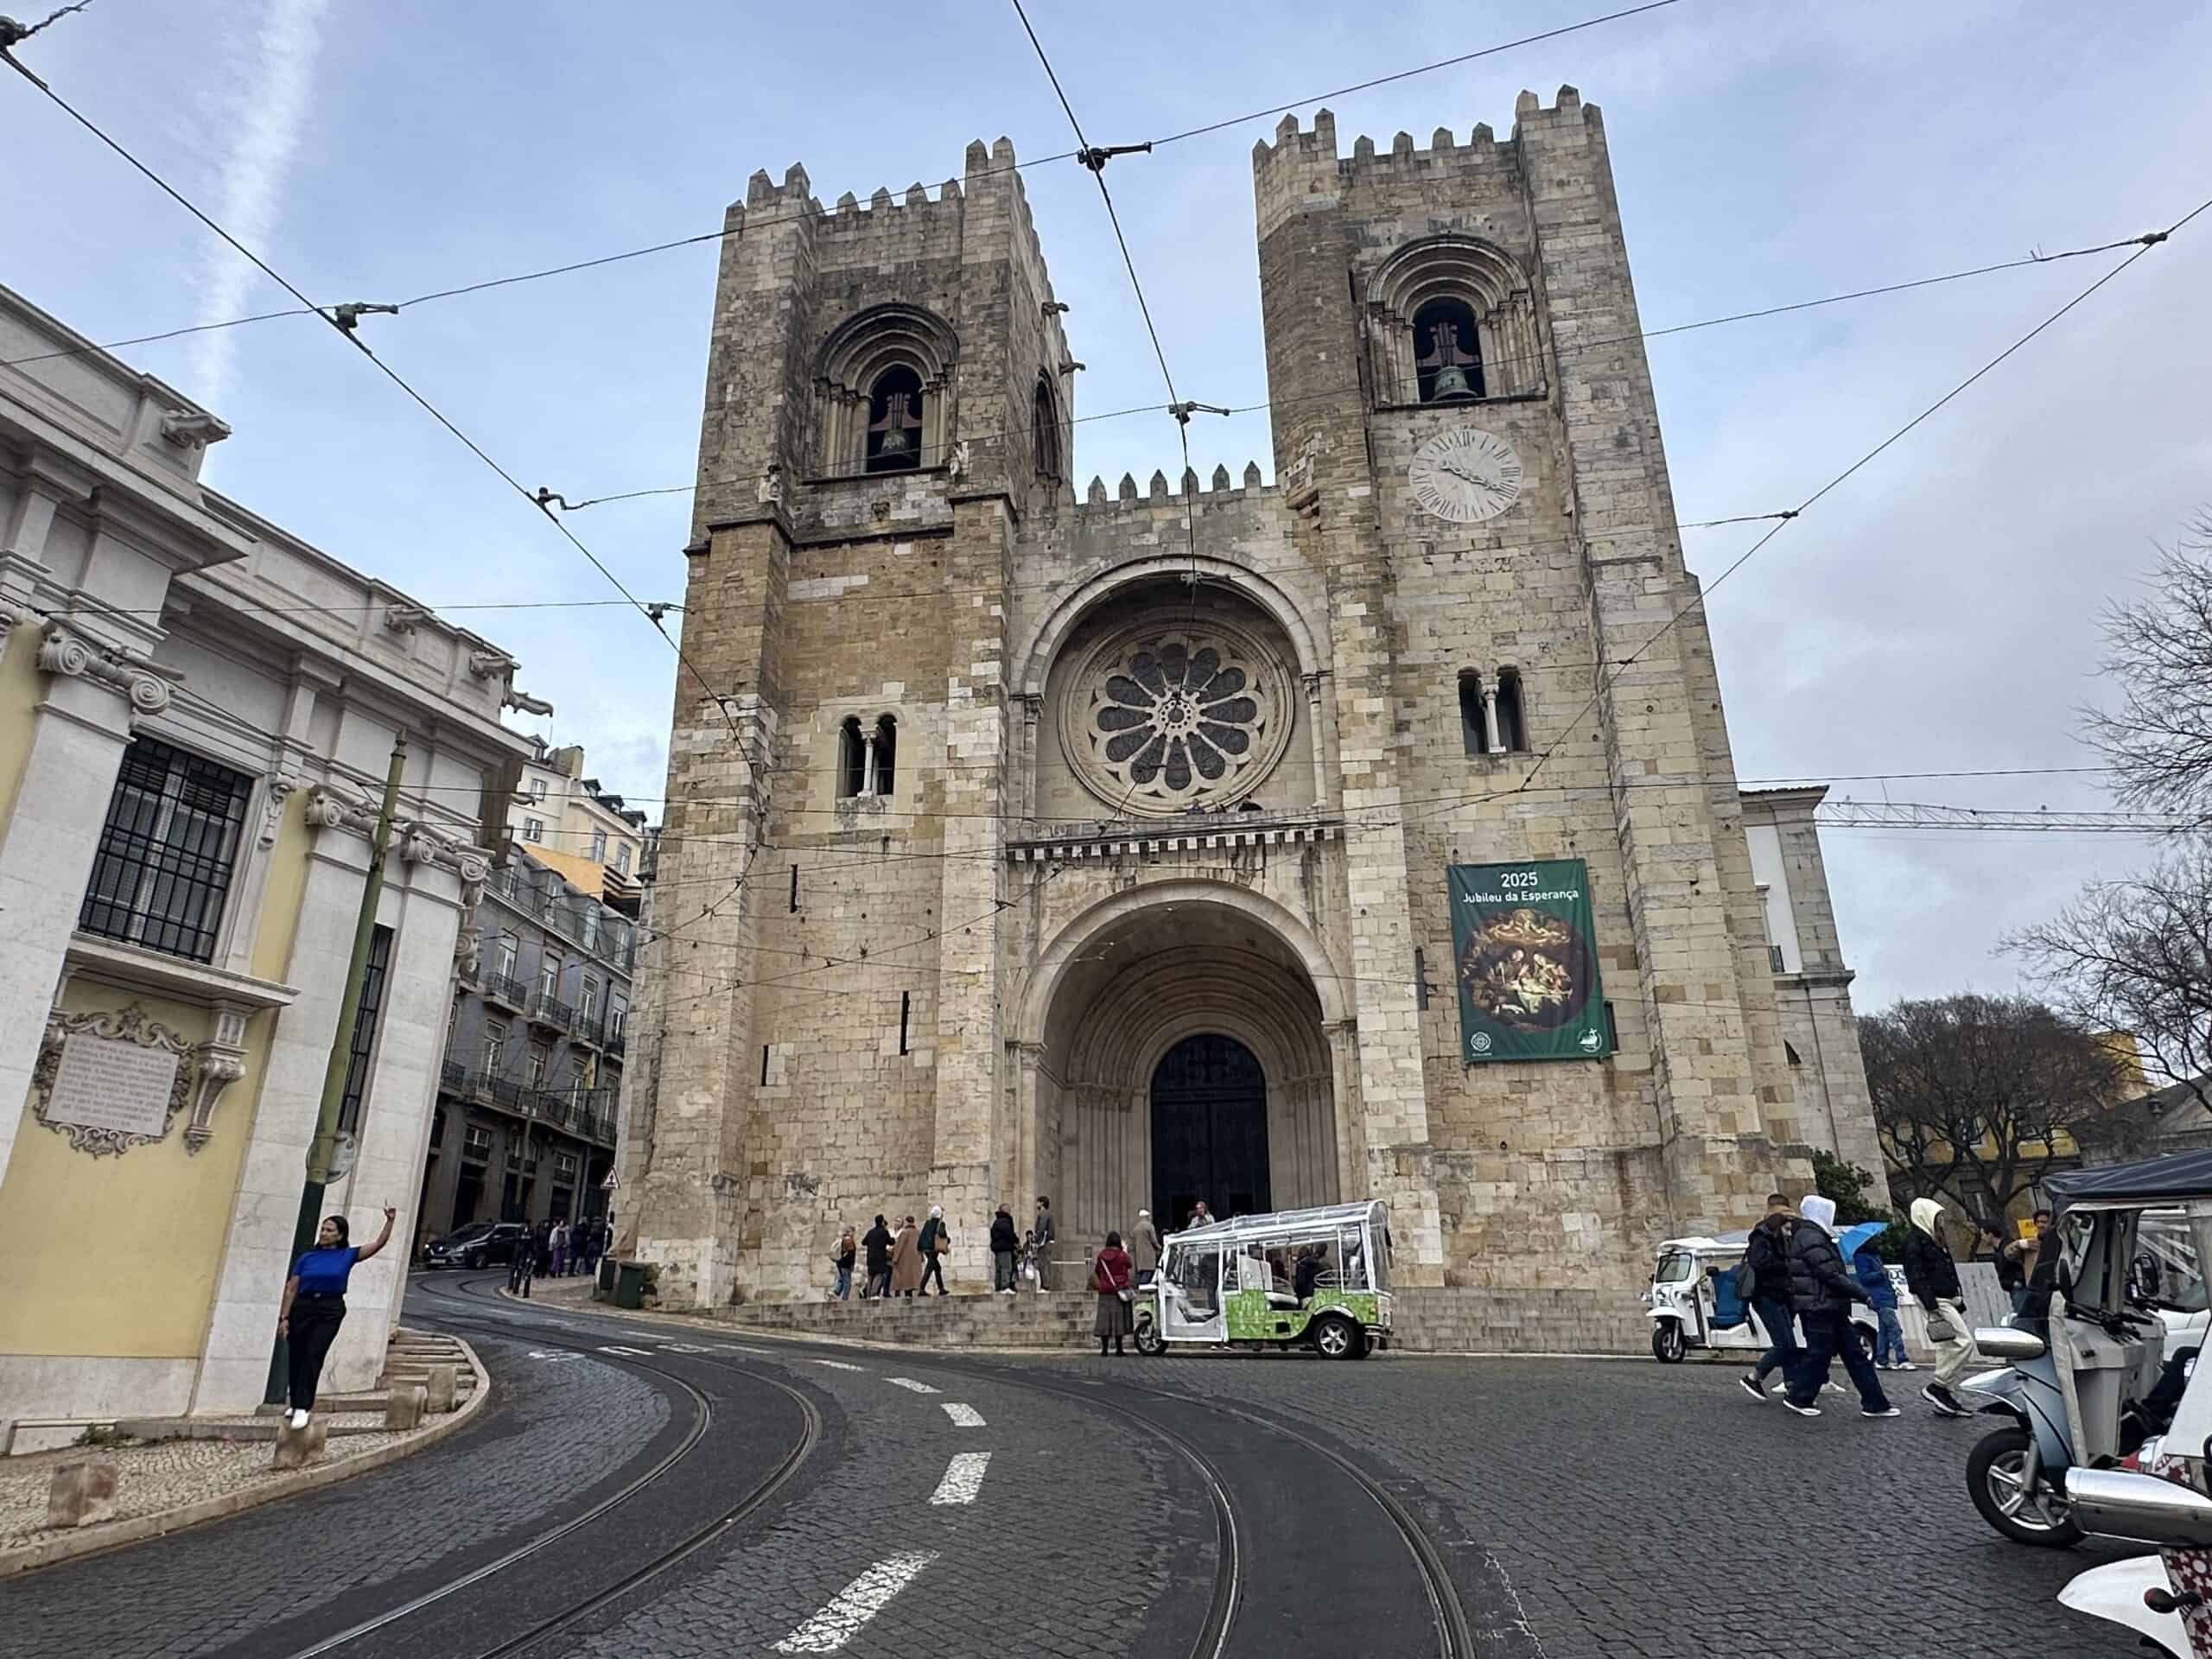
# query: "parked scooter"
{"points": [[2081, 1389]]}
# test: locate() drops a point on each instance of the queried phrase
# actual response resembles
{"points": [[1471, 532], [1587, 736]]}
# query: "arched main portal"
{"points": [[1175, 1030], [1209, 1130]]}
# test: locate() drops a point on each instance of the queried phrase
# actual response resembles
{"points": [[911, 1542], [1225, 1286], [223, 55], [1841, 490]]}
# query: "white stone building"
{"points": [[196, 713]]}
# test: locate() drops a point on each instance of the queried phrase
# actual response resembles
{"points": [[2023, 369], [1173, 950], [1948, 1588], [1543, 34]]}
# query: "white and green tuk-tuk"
{"points": [[1317, 1278]]}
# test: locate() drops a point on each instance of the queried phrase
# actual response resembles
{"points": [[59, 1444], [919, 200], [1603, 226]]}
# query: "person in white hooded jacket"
{"points": [[1822, 1290], [1932, 1276]]}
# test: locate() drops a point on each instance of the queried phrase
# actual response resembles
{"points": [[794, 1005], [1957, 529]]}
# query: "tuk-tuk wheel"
{"points": [[1336, 1338], [1666, 1344], [1148, 1340]]}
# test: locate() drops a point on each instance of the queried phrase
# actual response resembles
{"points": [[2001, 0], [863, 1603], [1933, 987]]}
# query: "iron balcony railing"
{"points": [[549, 1010], [453, 1077], [504, 988]]}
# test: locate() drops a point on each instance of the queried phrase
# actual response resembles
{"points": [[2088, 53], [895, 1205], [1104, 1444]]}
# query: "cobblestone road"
{"points": [[1582, 1509], [1622, 1504]]}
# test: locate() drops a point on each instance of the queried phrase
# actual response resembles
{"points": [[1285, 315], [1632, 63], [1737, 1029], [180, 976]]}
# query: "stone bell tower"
{"points": [[888, 390], [1464, 428]]}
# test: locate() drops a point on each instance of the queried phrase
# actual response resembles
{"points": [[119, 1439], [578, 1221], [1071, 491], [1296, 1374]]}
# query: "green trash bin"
{"points": [[630, 1284], [609, 1273]]}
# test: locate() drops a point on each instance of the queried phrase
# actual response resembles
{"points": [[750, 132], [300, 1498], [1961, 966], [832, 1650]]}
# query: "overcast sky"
{"points": [[1937, 611]]}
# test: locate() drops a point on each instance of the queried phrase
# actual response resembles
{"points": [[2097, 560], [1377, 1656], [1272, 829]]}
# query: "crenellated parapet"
{"points": [[1302, 168], [1096, 499]]}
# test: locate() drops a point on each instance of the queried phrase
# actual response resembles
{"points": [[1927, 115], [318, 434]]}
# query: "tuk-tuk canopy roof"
{"points": [[2172, 1180], [1724, 1243], [1319, 1218]]}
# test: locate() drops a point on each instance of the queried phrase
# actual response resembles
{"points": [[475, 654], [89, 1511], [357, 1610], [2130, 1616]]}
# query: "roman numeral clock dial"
{"points": [[1465, 476]]}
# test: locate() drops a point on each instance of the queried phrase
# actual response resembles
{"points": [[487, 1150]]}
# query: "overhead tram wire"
{"points": [[354, 340], [1794, 780], [705, 237], [1555, 352], [2157, 239]]}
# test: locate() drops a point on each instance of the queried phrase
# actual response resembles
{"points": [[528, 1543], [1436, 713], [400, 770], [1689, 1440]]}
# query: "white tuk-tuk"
{"points": [[1693, 1303], [1317, 1278]]}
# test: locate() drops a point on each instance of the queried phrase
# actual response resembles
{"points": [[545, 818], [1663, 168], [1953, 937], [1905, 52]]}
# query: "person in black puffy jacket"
{"points": [[1767, 1254], [1822, 1290]]}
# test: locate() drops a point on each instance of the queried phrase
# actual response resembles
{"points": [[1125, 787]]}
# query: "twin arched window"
{"points": [[1492, 720], [867, 757], [883, 384], [1451, 319]]}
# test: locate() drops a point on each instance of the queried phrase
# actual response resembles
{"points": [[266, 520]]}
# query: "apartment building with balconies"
{"points": [[572, 825], [525, 1126]]}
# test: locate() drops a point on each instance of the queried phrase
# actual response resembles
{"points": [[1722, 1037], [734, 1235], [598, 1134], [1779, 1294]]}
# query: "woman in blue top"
{"points": [[314, 1307]]}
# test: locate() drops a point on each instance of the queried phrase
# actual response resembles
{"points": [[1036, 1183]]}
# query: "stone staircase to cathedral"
{"points": [[1460, 1319], [1030, 1319]]}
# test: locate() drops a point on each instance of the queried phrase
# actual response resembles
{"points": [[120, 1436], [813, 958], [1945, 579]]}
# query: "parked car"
{"points": [[480, 1245]]}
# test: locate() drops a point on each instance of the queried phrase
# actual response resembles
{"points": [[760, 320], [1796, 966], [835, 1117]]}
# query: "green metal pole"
{"points": [[341, 1046]]}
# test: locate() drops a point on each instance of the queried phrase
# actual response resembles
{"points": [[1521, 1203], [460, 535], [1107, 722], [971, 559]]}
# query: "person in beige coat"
{"points": [[906, 1260], [1144, 1247]]}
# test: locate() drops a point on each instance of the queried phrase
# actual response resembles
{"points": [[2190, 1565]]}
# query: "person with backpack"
{"points": [[936, 1240], [1873, 1276], [1762, 1285], [1821, 1290], [1933, 1278], [1005, 1246], [840, 1263], [877, 1243]]}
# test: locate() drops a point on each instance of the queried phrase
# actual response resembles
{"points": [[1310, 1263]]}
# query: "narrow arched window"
{"points": [[1044, 429], [1447, 352], [852, 759], [894, 421], [1512, 727], [886, 755], [1472, 735]]}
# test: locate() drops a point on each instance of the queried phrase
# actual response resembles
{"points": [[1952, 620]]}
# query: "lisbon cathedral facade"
{"points": [[1200, 840]]}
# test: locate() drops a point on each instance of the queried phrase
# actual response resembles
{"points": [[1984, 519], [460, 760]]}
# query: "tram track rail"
{"points": [[1211, 1640], [1453, 1633], [690, 1543]]}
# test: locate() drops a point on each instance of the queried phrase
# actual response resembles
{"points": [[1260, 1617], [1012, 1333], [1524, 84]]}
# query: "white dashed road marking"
{"points": [[681, 1347], [838, 1365], [611, 1348], [739, 1348], [554, 1358], [964, 1416], [909, 1383], [963, 1479], [853, 1606]]}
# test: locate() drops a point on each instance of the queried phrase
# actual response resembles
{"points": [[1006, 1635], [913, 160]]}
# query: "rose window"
{"points": [[1162, 720]]}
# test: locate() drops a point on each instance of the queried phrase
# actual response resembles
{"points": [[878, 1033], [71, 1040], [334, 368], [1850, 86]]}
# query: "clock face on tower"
{"points": [[1465, 476]]}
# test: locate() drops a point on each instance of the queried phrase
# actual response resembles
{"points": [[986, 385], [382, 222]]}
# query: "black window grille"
{"points": [[166, 852], [365, 1031]]}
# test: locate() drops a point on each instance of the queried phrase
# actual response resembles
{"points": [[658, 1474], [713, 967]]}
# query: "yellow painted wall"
{"points": [[286, 890], [586, 874], [19, 693], [117, 1257]]}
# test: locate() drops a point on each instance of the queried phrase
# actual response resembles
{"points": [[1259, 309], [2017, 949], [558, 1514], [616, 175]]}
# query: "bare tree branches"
{"points": [[1970, 1091], [2136, 956], [2159, 650]]}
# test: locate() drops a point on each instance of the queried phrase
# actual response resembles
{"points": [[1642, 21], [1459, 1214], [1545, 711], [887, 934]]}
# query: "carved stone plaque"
{"points": [[122, 1087]]}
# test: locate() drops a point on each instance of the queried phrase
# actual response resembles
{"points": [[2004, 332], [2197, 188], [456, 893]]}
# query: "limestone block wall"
{"points": [[1544, 1172]]}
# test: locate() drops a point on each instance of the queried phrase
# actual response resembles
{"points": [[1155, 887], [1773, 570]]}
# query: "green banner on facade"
{"points": [[1526, 959]]}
